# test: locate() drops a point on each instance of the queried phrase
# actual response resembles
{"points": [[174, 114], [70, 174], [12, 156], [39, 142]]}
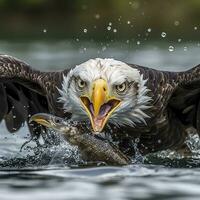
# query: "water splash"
{"points": [[51, 150], [193, 143], [188, 157], [138, 156]]}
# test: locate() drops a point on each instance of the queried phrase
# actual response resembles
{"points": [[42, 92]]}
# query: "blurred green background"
{"points": [[100, 19], [55, 34]]}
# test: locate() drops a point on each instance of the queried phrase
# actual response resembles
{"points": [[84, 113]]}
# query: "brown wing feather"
{"points": [[24, 92], [165, 124], [185, 100]]}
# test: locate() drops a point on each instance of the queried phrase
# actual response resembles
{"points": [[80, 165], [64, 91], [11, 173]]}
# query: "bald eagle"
{"points": [[125, 100]]}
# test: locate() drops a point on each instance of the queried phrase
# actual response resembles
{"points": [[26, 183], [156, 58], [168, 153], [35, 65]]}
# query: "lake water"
{"points": [[53, 173]]}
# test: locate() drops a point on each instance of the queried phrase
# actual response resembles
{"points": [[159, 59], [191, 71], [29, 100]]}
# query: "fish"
{"points": [[91, 146]]}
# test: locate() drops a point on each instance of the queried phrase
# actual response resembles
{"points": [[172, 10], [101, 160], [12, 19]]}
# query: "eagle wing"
{"points": [[178, 92], [24, 92], [185, 99], [175, 91], [175, 106]]}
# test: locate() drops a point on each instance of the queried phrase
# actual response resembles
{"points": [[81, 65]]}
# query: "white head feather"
{"points": [[134, 103]]}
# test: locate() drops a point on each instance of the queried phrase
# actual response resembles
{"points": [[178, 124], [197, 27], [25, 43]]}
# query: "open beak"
{"points": [[41, 118], [99, 106]]}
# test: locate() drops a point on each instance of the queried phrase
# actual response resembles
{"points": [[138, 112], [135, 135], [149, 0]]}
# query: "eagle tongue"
{"points": [[104, 110], [98, 121], [91, 109]]}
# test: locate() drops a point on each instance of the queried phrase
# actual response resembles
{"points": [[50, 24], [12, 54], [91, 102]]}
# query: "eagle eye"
{"points": [[121, 87], [80, 83], [57, 120]]}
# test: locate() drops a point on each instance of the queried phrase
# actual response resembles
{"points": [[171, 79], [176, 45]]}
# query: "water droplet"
{"points": [[77, 39], [163, 34], [104, 48], [44, 30], [171, 48], [128, 22], [138, 43], [108, 28], [195, 28], [110, 23], [176, 23], [84, 48], [137, 140], [149, 30], [97, 16], [179, 40], [115, 30], [127, 41], [85, 30], [159, 141], [185, 48]]}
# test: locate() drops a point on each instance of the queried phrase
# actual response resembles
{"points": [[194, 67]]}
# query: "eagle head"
{"points": [[105, 90]]}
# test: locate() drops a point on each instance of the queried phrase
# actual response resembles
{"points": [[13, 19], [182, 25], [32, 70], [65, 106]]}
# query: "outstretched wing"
{"points": [[175, 106], [24, 92], [177, 91], [185, 100]]}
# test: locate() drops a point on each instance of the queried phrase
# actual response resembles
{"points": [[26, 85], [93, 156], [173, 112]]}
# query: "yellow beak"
{"points": [[99, 95], [99, 105]]}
